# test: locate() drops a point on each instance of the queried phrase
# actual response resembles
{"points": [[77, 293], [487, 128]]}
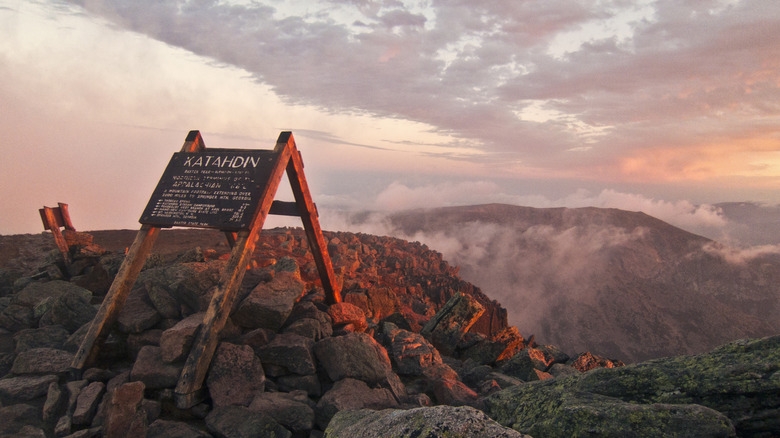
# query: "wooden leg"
{"points": [[308, 211], [115, 298], [188, 391]]}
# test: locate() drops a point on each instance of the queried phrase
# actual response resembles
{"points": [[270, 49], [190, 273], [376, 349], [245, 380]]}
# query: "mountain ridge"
{"points": [[631, 286]]}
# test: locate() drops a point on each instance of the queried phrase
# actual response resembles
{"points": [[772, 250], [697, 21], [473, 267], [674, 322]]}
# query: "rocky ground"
{"points": [[413, 351]]}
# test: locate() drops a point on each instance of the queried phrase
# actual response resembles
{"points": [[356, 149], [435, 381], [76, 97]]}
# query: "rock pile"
{"points": [[412, 351]]}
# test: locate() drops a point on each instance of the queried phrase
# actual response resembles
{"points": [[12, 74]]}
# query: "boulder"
{"points": [[526, 365], [739, 379], [138, 313], [344, 314], [732, 388], [453, 392], [235, 375], [87, 403], [174, 429], [290, 352], [125, 417], [15, 317], [163, 300], [269, 304], [449, 324], [70, 309], [155, 373], [35, 293], [588, 361], [424, 422], [177, 340], [55, 399], [358, 356], [502, 346], [188, 284], [42, 361], [551, 410], [409, 351], [242, 422], [136, 341], [292, 382], [24, 388], [351, 394], [47, 337], [20, 420], [291, 410]]}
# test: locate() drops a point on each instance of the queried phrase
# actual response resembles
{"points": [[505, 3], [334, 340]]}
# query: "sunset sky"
{"points": [[660, 106]]}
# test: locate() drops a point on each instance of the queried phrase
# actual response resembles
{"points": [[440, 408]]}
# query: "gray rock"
{"points": [[28, 431], [42, 361], [553, 411], [174, 429], [137, 341], [125, 417], [55, 400], [310, 328], [409, 351], [453, 392], [138, 313], [177, 340], [291, 410], [425, 422], [358, 356], [235, 375], [449, 324], [292, 382], [257, 338], [561, 370], [163, 300], [63, 426], [34, 293], [523, 366], [15, 317], [73, 389], [242, 422], [187, 283], [684, 396], [18, 416], [50, 337], [269, 304], [71, 309], [290, 351], [150, 369], [351, 394], [6, 362], [87, 403]]}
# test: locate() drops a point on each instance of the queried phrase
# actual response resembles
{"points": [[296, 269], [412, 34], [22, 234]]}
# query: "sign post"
{"points": [[231, 190]]}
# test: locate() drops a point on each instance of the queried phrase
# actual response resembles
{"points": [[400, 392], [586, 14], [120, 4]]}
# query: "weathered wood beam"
{"points": [[115, 298], [311, 224]]}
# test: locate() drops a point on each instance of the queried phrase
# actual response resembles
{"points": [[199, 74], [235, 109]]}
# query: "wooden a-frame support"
{"points": [[189, 389]]}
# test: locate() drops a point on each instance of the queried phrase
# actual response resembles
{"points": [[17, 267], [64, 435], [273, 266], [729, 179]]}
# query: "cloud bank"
{"points": [[611, 90]]}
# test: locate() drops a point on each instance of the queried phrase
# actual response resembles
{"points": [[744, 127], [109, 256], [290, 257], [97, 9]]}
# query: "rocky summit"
{"points": [[412, 351]]}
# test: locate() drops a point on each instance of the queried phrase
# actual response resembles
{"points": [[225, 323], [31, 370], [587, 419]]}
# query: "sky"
{"points": [[662, 106]]}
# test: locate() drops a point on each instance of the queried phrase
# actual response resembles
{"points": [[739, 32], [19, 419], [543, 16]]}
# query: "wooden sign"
{"points": [[219, 188], [229, 189]]}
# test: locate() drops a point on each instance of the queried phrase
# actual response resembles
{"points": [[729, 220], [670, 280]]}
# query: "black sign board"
{"points": [[217, 188]]}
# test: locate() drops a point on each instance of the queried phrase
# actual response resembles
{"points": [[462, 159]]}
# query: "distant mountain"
{"points": [[752, 224], [617, 283]]}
